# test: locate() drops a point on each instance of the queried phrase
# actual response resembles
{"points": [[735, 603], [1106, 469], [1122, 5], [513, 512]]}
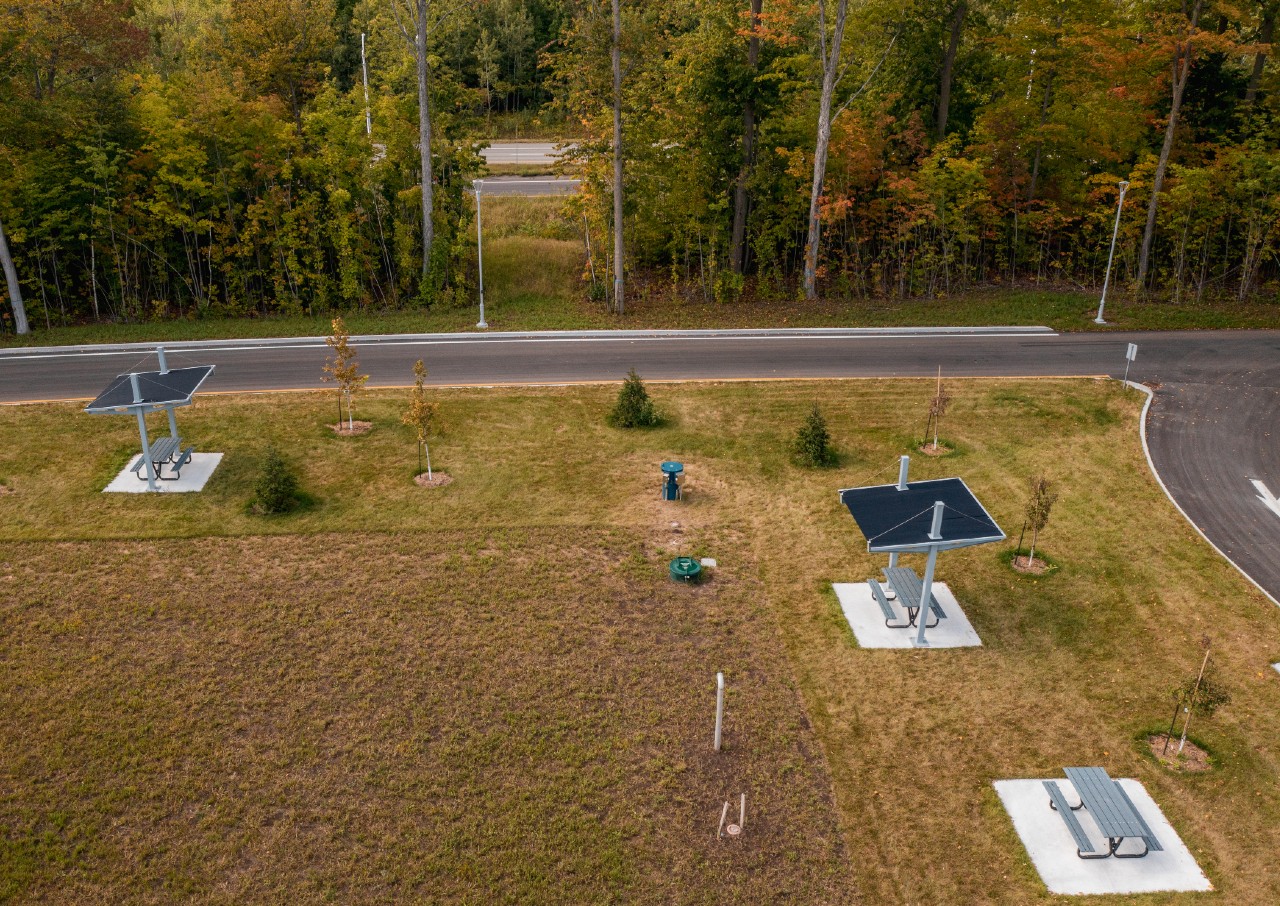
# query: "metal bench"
{"points": [[910, 588], [175, 470], [885, 607], [162, 451], [1058, 803]]}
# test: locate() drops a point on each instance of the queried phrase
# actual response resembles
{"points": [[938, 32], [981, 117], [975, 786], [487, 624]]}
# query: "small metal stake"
{"points": [[719, 707], [724, 813]]}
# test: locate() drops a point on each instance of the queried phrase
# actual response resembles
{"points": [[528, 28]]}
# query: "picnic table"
{"points": [[164, 451], [909, 589], [1111, 809]]}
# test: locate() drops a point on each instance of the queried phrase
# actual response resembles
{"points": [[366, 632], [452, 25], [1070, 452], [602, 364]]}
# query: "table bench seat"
{"points": [[885, 607]]}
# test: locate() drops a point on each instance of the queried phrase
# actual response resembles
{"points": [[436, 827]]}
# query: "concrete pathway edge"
{"points": [[1142, 423]]}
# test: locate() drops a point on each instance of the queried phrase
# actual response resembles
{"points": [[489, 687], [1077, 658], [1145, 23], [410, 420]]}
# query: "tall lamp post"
{"points": [[475, 184], [1124, 187]]}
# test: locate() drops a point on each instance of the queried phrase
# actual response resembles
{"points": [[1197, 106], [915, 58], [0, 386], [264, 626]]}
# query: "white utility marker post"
{"points": [[142, 432], [926, 590], [719, 707], [1106, 280], [476, 183], [1129, 355], [904, 465]]}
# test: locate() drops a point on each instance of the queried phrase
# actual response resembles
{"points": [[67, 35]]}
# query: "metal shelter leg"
{"points": [[925, 591], [146, 452]]}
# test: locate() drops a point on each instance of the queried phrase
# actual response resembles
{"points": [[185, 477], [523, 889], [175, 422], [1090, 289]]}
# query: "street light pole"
{"points": [[475, 183], [1124, 187]]}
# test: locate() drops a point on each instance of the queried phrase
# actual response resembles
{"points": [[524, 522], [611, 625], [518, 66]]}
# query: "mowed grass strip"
{"points": [[1076, 666], [495, 716]]}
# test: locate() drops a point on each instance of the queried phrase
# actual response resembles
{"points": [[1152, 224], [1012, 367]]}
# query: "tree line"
{"points": [[224, 157]]}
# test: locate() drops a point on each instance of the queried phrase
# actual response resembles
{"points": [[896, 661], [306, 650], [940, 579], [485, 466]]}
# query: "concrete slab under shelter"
{"points": [[1053, 850], [193, 477], [867, 621]]}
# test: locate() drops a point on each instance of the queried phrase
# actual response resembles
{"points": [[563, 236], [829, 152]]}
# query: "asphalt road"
{"points": [[528, 185], [520, 153], [1209, 431]]}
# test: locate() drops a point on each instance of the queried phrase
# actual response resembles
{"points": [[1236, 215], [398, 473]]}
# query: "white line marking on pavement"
{"points": [[1264, 494], [373, 342]]}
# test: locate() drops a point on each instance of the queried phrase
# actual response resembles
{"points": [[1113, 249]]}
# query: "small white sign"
{"points": [[1132, 352]]}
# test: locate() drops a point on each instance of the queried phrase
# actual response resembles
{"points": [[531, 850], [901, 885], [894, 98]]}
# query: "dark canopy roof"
{"points": [[895, 520], [158, 388]]}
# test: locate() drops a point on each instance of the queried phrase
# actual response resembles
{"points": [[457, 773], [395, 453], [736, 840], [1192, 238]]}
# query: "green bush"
{"points": [[812, 444], [276, 490], [633, 409]]}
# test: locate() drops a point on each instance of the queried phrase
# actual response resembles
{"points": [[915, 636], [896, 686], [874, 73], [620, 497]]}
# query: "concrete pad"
{"points": [[867, 621], [193, 477], [1053, 850]]}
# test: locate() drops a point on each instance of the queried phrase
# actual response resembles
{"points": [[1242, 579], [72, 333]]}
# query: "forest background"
{"points": [[165, 159]]}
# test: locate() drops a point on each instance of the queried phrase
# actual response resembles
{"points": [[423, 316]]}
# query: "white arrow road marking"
{"points": [[1264, 494]]}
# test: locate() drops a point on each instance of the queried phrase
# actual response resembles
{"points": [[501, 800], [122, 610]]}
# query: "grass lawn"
{"points": [[490, 692], [534, 280]]}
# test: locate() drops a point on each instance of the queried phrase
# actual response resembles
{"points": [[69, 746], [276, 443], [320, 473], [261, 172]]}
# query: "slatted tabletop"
{"points": [[1108, 804], [907, 584]]}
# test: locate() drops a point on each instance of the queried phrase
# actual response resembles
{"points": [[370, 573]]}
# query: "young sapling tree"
{"points": [[1201, 694], [421, 414], [343, 369], [633, 409], [938, 405], [812, 444], [1039, 505]]}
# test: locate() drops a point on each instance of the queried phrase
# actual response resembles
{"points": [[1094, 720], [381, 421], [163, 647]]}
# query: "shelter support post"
{"points": [[926, 589], [904, 464], [142, 433]]}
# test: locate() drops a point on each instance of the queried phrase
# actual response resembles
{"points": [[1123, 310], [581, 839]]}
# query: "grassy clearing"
{"points": [[1076, 666]]}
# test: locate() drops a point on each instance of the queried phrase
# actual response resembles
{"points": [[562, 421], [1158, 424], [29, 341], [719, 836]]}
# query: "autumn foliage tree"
{"points": [[421, 414], [342, 369]]}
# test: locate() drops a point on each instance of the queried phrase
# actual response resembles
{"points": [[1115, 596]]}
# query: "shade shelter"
{"points": [[920, 517], [143, 392]]}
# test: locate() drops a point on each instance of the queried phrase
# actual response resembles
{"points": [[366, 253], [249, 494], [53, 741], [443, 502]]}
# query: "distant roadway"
{"points": [[1212, 430]]}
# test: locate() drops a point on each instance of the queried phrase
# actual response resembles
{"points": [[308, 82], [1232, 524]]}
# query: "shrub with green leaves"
{"points": [[634, 409], [276, 490], [812, 444]]}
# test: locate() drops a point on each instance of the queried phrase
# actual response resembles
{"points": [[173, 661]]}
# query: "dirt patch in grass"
{"points": [[6, 490], [930, 450], [437, 480], [414, 718], [1192, 759], [352, 429], [1032, 567]]}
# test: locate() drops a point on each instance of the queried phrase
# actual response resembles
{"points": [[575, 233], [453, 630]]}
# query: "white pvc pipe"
{"points": [[719, 707]]}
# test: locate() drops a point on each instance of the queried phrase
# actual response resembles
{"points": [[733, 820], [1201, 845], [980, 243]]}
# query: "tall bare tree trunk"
{"points": [[1045, 101], [424, 138], [1181, 69], [1265, 35], [618, 250], [949, 65], [15, 291], [830, 68], [737, 243]]}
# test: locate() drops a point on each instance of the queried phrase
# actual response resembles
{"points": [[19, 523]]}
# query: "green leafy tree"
{"points": [[811, 445], [634, 408]]}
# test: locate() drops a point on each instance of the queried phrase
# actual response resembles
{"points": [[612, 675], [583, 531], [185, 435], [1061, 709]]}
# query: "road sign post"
{"points": [[1130, 354]]}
